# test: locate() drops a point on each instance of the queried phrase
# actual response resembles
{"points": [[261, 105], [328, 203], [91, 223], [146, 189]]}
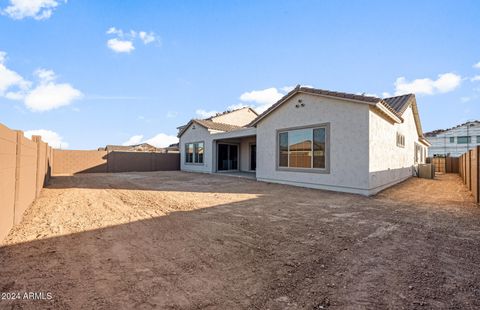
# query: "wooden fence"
{"points": [[445, 164], [25, 167], [469, 171]]}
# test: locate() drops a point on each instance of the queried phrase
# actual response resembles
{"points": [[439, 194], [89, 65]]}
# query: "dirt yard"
{"points": [[173, 240]]}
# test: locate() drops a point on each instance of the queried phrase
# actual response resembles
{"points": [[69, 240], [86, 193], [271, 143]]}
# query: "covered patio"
{"points": [[235, 153]]}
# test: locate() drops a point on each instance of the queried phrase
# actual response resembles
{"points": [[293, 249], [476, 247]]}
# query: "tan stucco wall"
{"points": [[348, 143], [27, 182], [388, 163], [240, 117], [24, 168], [8, 146]]}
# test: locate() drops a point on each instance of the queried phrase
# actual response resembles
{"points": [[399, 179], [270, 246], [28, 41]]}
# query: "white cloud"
{"points": [[137, 139], [475, 78], [48, 95], [51, 137], [465, 99], [477, 65], [113, 30], [444, 83], [159, 140], [124, 40], [265, 96], [147, 38], [386, 94], [260, 100], [205, 114], [10, 79], [162, 140], [37, 9], [120, 46]]}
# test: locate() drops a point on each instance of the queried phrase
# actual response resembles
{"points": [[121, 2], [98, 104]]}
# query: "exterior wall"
{"points": [[25, 167], [8, 150], [240, 117], [245, 152], [26, 189], [70, 162], [198, 134], [348, 143], [441, 144], [388, 163]]}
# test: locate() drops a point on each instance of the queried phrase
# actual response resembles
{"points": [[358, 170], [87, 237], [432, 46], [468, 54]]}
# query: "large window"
{"points": [[464, 140], [303, 148], [194, 153]]}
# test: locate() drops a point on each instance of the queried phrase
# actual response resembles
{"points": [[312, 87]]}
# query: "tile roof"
{"points": [[436, 132], [228, 112], [399, 103], [216, 126], [323, 92]]}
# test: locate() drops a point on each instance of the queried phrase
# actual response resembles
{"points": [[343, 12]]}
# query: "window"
{"points": [[194, 153], [452, 139], [464, 140], [400, 140], [303, 148], [478, 139], [418, 156]]}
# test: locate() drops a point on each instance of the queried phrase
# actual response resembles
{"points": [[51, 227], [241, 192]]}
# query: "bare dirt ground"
{"points": [[173, 240]]}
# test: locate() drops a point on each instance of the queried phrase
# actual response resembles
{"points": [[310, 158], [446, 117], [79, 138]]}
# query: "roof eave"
{"points": [[397, 119], [186, 127], [424, 141]]}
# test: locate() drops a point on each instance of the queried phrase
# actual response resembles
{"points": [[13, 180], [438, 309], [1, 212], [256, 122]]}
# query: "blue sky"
{"points": [[76, 70]]}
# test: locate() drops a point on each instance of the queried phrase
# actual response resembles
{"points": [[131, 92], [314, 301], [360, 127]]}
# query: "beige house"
{"points": [[312, 138]]}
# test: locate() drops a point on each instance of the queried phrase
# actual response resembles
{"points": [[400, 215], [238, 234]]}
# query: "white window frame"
{"points": [[195, 157]]}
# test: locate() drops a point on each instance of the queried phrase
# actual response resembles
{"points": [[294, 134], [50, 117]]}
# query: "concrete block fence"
{"points": [[25, 167]]}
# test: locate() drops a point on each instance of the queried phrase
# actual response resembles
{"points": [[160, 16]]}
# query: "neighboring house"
{"points": [[143, 147], [454, 141], [313, 138], [172, 148]]}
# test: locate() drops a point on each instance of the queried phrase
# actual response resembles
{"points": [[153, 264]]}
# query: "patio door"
{"points": [[253, 157], [227, 157]]}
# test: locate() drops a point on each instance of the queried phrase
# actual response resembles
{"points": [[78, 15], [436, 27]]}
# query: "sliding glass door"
{"points": [[227, 157]]}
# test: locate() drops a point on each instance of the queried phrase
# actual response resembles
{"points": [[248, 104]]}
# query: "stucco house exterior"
{"points": [[312, 138], [454, 141]]}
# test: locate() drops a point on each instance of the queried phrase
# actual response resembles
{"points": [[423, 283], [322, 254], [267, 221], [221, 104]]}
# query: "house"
{"points": [[454, 141], [143, 147], [312, 138]]}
